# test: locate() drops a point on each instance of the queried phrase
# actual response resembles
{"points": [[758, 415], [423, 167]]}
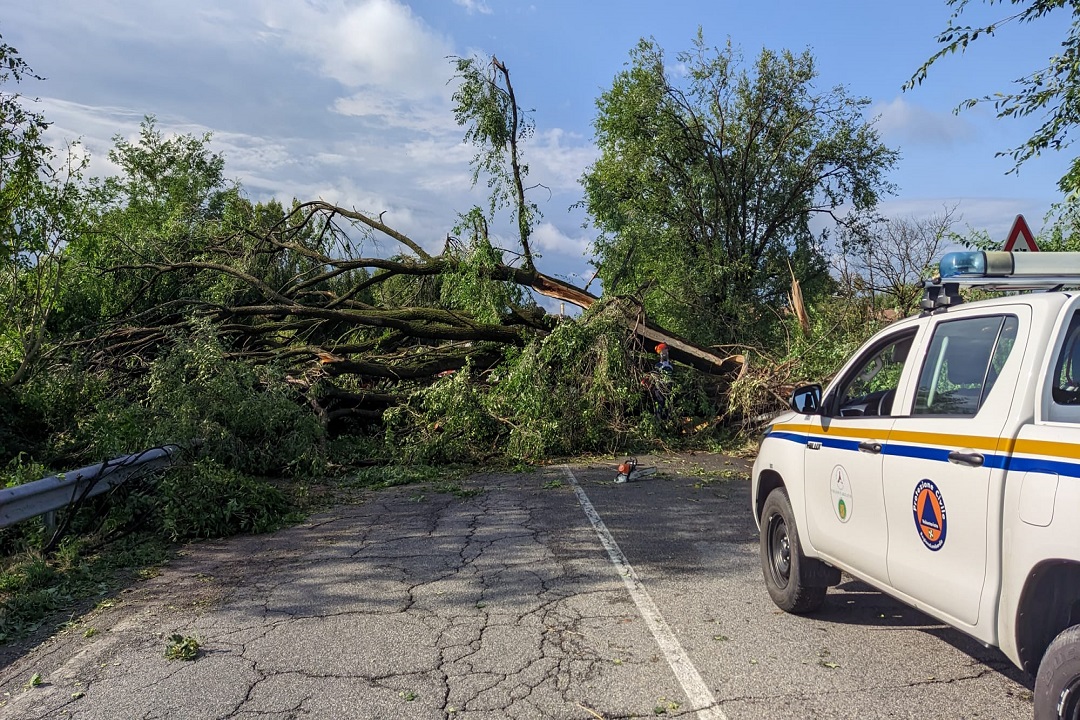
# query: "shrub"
{"points": [[206, 500], [247, 416]]}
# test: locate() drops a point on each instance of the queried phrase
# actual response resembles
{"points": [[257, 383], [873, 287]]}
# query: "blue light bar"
{"points": [[977, 264], [963, 264]]}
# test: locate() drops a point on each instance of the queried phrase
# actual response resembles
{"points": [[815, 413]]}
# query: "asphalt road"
{"points": [[550, 594]]}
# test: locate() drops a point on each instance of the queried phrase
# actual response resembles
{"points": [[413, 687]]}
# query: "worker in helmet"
{"points": [[664, 365], [659, 382]]}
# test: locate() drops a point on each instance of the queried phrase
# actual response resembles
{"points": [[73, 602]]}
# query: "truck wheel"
{"points": [[782, 559], [1057, 686]]}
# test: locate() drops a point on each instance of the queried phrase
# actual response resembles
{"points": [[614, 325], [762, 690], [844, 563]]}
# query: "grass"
{"points": [[452, 488], [35, 588], [438, 478]]}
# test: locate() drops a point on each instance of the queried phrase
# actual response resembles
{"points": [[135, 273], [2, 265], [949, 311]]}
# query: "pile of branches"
{"points": [[301, 298]]}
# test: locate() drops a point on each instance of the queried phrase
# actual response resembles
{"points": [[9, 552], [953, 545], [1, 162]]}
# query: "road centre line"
{"points": [[697, 692]]}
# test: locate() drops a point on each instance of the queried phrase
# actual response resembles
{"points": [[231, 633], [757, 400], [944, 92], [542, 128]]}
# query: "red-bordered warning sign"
{"points": [[931, 521], [1020, 237]]}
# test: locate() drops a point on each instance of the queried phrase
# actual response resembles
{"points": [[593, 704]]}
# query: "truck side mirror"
{"points": [[806, 399]]}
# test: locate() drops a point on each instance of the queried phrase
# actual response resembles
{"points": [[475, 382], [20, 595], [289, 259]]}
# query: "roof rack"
{"points": [[998, 271]]}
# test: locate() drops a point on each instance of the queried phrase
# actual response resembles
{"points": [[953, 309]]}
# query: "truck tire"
{"points": [[1057, 686], [782, 560]]}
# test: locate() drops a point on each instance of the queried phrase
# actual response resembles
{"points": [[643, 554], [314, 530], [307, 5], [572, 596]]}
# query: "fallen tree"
{"points": [[186, 293], [329, 318]]}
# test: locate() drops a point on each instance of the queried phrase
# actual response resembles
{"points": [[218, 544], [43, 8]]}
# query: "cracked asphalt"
{"points": [[505, 604]]}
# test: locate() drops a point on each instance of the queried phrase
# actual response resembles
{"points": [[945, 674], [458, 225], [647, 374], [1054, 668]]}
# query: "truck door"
{"points": [[941, 454], [845, 509]]}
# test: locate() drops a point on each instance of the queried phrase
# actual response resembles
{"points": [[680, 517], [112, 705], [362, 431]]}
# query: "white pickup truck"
{"points": [[942, 466]]}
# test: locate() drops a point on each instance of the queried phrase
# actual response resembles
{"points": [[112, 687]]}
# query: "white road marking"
{"points": [[697, 692]]}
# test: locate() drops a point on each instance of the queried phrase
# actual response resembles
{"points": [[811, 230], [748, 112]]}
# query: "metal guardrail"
{"points": [[47, 495]]}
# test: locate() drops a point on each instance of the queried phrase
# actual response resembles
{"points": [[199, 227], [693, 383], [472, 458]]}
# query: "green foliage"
{"points": [[347, 451], [838, 327], [443, 423], [1061, 232], [182, 647], [21, 470], [48, 409], [469, 286], [207, 500], [495, 125], [1050, 92], [42, 205], [578, 389], [168, 204], [707, 181], [247, 416], [572, 391]]}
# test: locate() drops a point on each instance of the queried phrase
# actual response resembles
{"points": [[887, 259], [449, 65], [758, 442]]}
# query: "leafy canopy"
{"points": [[42, 206], [485, 104], [708, 178]]}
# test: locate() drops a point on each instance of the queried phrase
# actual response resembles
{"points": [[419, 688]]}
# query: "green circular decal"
{"points": [[840, 489]]}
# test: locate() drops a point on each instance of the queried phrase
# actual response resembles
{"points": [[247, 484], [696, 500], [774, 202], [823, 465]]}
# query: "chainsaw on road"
{"points": [[629, 471]]}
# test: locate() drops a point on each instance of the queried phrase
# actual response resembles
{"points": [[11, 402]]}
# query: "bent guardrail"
{"points": [[52, 493]]}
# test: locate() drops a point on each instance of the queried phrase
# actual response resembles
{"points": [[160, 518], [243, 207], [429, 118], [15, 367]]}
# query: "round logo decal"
{"points": [[840, 489], [930, 518]]}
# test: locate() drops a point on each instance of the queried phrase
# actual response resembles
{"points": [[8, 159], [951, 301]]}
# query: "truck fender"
{"points": [[815, 572], [1049, 603]]}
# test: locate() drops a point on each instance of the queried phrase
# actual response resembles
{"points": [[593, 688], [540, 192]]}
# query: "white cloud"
{"points": [[995, 215], [93, 128], [343, 100], [905, 123], [398, 112], [474, 6], [557, 159], [548, 238], [368, 44]]}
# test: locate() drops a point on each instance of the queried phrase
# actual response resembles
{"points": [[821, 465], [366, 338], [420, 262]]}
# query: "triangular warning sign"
{"points": [[929, 517], [1020, 237]]}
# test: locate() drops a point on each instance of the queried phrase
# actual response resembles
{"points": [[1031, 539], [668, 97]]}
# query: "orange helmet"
{"points": [[661, 347]]}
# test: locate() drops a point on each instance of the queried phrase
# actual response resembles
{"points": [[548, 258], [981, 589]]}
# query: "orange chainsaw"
{"points": [[629, 471]]}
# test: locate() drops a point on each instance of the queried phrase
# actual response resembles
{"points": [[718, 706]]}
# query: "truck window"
{"points": [[1066, 388], [963, 363], [869, 388]]}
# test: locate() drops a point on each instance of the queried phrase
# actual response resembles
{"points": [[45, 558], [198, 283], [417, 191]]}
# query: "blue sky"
{"points": [[348, 100]]}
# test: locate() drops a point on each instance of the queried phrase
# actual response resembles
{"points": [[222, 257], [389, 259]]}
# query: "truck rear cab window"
{"points": [[963, 363], [1066, 388]]}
